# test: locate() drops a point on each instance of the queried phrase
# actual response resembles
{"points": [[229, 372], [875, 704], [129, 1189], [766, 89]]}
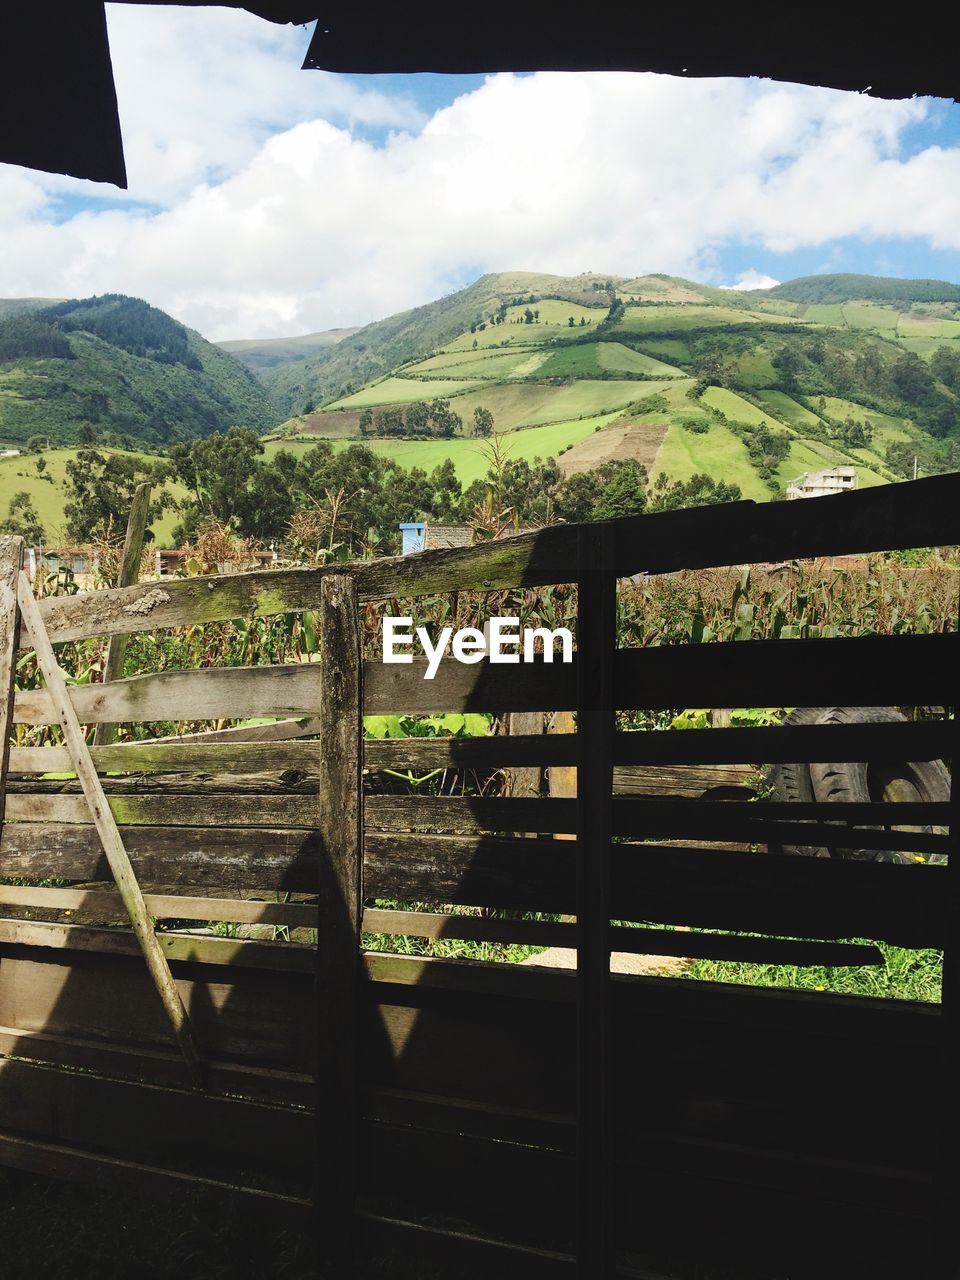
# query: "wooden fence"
{"points": [[543, 1122]]}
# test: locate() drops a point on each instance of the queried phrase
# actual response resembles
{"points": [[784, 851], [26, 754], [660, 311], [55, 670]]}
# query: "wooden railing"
{"points": [[547, 1117]]}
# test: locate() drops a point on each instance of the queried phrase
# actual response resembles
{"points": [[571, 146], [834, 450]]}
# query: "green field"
{"points": [[48, 496], [491, 365], [614, 355], [737, 409], [469, 456], [399, 391], [718, 452], [785, 409]]}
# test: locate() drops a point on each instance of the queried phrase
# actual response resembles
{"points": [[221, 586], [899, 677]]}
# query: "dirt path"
{"points": [[620, 962], [640, 441]]}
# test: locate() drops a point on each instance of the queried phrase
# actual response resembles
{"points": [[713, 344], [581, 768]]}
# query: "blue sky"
{"points": [[266, 201]]}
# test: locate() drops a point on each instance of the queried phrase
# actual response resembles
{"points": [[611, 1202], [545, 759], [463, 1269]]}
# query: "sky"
{"points": [[266, 201]]}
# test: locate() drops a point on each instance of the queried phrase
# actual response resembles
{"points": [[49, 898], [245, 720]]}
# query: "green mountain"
{"points": [[117, 366], [267, 353], [850, 288], [752, 387]]}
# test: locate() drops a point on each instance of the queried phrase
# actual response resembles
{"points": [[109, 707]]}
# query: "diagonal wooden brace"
{"points": [[109, 833]]}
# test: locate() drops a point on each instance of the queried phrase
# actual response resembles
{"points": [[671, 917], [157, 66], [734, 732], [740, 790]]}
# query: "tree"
{"points": [[86, 434], [482, 421], [366, 422], [624, 493], [36, 444], [945, 367], [23, 519], [99, 490], [229, 482]]}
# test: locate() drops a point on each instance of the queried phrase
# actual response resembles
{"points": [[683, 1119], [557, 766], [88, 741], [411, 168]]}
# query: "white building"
{"points": [[817, 484]]}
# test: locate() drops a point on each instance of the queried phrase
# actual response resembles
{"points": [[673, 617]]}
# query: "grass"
{"points": [[736, 408], [785, 409], [467, 455], [904, 975], [48, 495], [614, 355], [718, 452], [399, 391]]}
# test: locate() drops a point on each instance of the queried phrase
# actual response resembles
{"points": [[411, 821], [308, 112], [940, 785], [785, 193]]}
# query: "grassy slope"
{"points": [[48, 498], [268, 353], [128, 394], [467, 455]]}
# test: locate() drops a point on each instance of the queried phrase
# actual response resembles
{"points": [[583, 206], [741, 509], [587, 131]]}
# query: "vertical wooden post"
{"points": [[11, 558], [338, 933], [596, 642], [129, 574], [950, 1021]]}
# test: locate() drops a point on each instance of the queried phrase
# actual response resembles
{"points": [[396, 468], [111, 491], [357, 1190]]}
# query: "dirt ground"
{"points": [[638, 440]]}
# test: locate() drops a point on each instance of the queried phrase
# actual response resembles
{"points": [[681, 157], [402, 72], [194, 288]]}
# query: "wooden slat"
{"points": [[209, 694], [769, 821], [856, 671], [756, 893], [919, 513], [340, 870], [181, 602], [163, 906], [129, 573], [149, 757], [639, 941], [153, 1066], [272, 731], [218, 809], [50, 1160], [288, 957], [128, 1120], [896, 743], [245, 1015], [596, 641], [266, 858]]}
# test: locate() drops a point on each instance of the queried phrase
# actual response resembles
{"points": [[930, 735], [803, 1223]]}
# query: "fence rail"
{"points": [[546, 1110]]}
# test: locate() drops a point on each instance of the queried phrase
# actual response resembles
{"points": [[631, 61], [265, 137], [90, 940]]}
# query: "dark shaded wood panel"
{"points": [[242, 1016], [759, 893], [219, 810], [863, 671], [844, 826]]}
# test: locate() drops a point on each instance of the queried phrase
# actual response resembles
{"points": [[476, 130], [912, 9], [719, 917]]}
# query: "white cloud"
{"points": [[278, 218], [751, 279]]}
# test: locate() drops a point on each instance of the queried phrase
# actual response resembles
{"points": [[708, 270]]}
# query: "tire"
{"points": [[792, 782], [919, 780]]}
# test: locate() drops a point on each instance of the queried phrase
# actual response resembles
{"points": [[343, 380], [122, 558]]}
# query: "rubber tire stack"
{"points": [[846, 782]]}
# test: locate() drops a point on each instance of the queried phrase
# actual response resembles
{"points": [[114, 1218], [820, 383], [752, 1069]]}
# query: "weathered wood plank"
{"points": [[247, 953], [758, 893], [157, 1124], [191, 757], [244, 1015], [11, 558], [211, 693], [49, 1160], [265, 858], [855, 671], [340, 871], [129, 573], [153, 1066], [920, 513], [769, 821], [219, 810], [596, 644], [911, 740], [110, 838], [163, 906], [181, 602], [272, 731]]}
